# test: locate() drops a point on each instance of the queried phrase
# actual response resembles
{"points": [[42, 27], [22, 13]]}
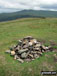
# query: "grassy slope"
{"points": [[10, 32]]}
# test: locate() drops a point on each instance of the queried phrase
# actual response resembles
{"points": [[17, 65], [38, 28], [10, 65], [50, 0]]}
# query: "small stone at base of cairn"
{"points": [[8, 51], [20, 60], [28, 49]]}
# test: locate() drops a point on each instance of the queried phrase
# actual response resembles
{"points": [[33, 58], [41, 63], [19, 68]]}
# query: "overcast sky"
{"points": [[17, 5]]}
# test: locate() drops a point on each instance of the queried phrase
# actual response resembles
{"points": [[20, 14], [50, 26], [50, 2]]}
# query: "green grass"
{"points": [[44, 30]]}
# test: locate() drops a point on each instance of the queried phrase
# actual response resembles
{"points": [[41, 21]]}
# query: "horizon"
{"points": [[26, 10]]}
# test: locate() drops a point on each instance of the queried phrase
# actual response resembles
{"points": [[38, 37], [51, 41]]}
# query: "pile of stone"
{"points": [[28, 49]]}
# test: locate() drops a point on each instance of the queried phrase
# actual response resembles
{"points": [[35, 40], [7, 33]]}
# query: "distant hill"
{"points": [[27, 13]]}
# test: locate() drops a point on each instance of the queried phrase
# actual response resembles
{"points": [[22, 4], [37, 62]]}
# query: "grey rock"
{"points": [[8, 51], [31, 55], [43, 51], [36, 49], [25, 46], [33, 41], [20, 60], [33, 52], [20, 42], [43, 48], [37, 45], [28, 37], [22, 50], [50, 48], [18, 48], [36, 56], [24, 55], [16, 57], [27, 60], [40, 53]]}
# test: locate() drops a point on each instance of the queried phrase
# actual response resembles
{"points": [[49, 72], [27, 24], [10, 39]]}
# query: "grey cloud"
{"points": [[54, 6], [7, 10], [14, 5]]}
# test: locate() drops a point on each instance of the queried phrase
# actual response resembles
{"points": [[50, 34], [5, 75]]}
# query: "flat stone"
{"points": [[33, 59], [16, 57], [33, 52], [36, 49], [8, 51], [36, 56], [25, 46], [29, 37], [50, 48], [31, 55], [37, 45], [28, 60], [40, 53], [33, 41], [20, 41], [24, 55], [43, 47], [43, 51], [25, 41], [20, 60], [22, 50]]}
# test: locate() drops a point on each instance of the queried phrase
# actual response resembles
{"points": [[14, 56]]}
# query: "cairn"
{"points": [[28, 49]]}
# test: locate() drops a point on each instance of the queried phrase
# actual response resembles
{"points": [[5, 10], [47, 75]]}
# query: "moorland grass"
{"points": [[44, 30]]}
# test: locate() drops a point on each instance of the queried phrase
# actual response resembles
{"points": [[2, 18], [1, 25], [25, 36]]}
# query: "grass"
{"points": [[44, 30]]}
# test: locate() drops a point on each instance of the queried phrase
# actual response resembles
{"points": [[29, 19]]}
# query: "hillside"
{"points": [[45, 30], [27, 14]]}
